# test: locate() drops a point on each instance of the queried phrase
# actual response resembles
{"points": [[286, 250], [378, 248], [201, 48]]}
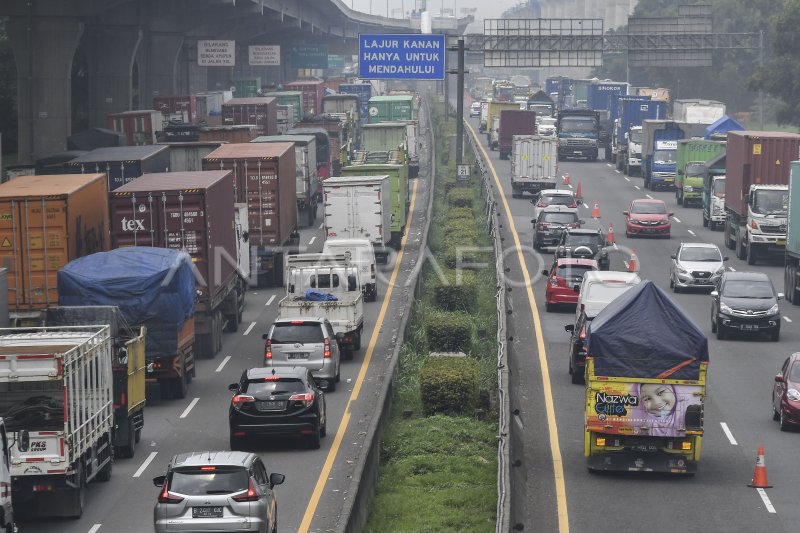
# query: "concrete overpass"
{"points": [[131, 50]]}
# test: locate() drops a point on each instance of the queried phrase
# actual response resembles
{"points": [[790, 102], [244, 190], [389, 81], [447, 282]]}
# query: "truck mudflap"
{"points": [[633, 461]]}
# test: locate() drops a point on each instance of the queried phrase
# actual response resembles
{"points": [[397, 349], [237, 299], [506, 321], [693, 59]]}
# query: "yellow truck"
{"points": [[646, 369]]}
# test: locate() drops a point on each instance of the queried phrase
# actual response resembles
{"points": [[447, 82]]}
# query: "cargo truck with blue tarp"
{"points": [[645, 385], [627, 136]]}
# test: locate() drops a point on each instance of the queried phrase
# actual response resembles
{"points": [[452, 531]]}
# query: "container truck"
{"points": [[188, 156], [385, 137], [690, 169], [305, 158], [264, 178], [213, 106], [714, 193], [578, 132], [493, 112], [122, 164], [512, 123], [342, 105], [285, 118], [330, 149], [659, 146], [627, 138], [791, 272], [645, 385], [152, 287], [364, 93], [292, 98], [45, 222], [391, 109], [598, 93], [188, 109], [261, 112], [194, 212], [542, 104], [58, 406], [696, 111], [534, 164], [757, 191], [128, 368], [140, 127], [241, 133], [313, 91], [359, 207]]}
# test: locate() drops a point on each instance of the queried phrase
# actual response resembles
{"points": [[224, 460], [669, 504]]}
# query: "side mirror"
{"points": [[533, 221], [626, 213], [781, 296], [265, 336], [545, 273], [276, 479], [725, 258], [673, 256], [714, 293], [233, 387], [779, 378], [576, 287], [670, 214], [158, 481], [569, 327]]}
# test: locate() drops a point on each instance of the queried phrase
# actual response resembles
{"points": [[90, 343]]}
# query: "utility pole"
{"points": [[459, 99]]}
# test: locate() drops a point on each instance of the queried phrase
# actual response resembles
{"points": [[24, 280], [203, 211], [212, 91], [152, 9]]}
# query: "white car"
{"points": [[546, 126], [563, 198], [696, 265], [475, 109]]}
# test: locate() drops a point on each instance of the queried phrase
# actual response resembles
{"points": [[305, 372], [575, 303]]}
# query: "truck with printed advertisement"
{"points": [[690, 169], [714, 193], [326, 286], [697, 111], [599, 92], [58, 406], [493, 126], [645, 385], [578, 132], [534, 164], [627, 130], [512, 123], [659, 146], [757, 191]]}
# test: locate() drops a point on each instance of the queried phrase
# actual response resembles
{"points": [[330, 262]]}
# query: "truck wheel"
{"points": [[127, 451], [752, 254], [179, 387], [790, 286], [77, 494], [705, 223], [679, 197], [741, 253], [104, 475], [726, 228]]}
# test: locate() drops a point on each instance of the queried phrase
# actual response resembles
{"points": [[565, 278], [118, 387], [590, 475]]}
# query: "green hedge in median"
{"points": [[449, 385], [457, 292], [449, 331], [461, 197]]}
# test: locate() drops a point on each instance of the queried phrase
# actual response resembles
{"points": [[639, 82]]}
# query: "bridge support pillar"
{"points": [[115, 75], [162, 67]]}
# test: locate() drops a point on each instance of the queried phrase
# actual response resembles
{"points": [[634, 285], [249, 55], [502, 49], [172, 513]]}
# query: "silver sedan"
{"points": [[696, 265]]}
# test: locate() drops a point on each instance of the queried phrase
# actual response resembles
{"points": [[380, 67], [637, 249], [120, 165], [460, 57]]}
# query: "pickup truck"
{"points": [[328, 286]]}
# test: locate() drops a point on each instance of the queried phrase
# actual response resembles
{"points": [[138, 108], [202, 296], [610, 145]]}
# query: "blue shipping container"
{"points": [[599, 93], [633, 110], [122, 164], [364, 93], [557, 84]]}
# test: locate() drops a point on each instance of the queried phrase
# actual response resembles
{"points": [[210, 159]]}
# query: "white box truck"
{"points": [[359, 207], [56, 397], [534, 164]]}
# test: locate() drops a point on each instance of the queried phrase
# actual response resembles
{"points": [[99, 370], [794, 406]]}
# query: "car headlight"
{"points": [[793, 395], [634, 221], [681, 270], [773, 310], [724, 308], [665, 221]]}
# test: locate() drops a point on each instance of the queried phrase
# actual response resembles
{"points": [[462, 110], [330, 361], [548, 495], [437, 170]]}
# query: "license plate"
{"points": [[206, 512], [749, 327], [648, 230], [298, 355], [270, 405]]}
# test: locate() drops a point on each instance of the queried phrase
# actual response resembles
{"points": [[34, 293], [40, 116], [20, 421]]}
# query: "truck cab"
{"points": [[765, 230], [691, 191], [633, 161], [713, 199], [578, 134], [662, 163]]}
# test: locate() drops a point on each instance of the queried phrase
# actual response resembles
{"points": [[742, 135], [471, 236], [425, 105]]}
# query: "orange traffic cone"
{"points": [[633, 262], [610, 237], [596, 210], [759, 480], [578, 193], [566, 179]]}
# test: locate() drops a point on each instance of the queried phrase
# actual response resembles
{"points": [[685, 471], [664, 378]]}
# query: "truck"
{"points": [[757, 191], [578, 132], [122, 164], [482, 121], [6, 508], [359, 207], [493, 127], [194, 212], [542, 104], [599, 92], [313, 91], [627, 137], [261, 112], [391, 109], [140, 126], [512, 123], [714, 193], [292, 98], [332, 144], [58, 407], [335, 276], [305, 157], [645, 385], [128, 368], [718, 130], [264, 178], [690, 169], [534, 164], [45, 222], [696, 111], [152, 287], [341, 105], [659, 146], [791, 271], [385, 137], [364, 93]]}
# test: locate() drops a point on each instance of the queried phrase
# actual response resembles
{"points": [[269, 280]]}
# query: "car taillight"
{"points": [[305, 399], [554, 281], [541, 204], [250, 496], [268, 349], [543, 225], [583, 332], [240, 399], [327, 353], [165, 496], [573, 205], [574, 225]]}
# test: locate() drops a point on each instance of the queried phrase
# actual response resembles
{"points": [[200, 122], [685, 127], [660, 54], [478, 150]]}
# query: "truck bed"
{"points": [[345, 315]]}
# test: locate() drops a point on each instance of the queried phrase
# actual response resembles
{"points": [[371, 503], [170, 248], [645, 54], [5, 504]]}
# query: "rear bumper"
{"points": [[300, 426], [627, 461], [531, 185], [561, 295]]}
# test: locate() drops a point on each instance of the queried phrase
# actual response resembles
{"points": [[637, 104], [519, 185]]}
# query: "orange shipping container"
{"points": [[45, 222]]}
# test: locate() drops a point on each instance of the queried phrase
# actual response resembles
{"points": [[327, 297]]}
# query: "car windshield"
{"points": [[578, 125], [635, 136], [649, 208], [558, 218], [557, 199], [794, 374], [606, 292], [262, 387], [199, 481], [742, 288], [575, 240], [664, 157], [695, 170], [572, 272], [288, 333], [769, 202], [696, 253]]}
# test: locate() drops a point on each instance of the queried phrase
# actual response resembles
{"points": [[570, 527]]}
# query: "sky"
{"points": [[485, 9]]}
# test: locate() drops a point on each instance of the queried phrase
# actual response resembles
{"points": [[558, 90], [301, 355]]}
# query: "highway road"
{"points": [[317, 481], [552, 489]]}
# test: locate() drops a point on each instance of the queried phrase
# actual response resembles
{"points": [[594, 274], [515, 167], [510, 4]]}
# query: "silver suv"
{"points": [[216, 491], [307, 342]]}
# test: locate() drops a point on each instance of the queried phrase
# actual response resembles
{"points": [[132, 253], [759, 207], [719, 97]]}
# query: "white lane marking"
{"points": [[690, 232], [787, 319], [609, 165], [626, 178], [145, 464], [732, 269], [95, 528], [314, 238], [676, 219], [223, 363], [249, 328], [569, 185], [321, 225], [618, 172], [649, 196], [765, 499], [189, 408], [637, 187], [271, 299], [728, 433]]}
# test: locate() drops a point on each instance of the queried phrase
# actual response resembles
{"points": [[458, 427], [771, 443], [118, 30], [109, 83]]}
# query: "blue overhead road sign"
{"points": [[401, 56]]}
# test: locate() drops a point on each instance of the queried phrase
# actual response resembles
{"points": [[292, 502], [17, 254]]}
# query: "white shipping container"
{"points": [[697, 111], [534, 163], [358, 207]]}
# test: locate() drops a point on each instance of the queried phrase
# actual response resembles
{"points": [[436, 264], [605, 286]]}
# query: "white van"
{"points": [[362, 255]]}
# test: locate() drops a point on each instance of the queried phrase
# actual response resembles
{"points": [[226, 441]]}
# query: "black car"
{"points": [[577, 348], [584, 243], [276, 401], [550, 223], [745, 302]]}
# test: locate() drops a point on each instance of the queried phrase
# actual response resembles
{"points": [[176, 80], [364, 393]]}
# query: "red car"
{"points": [[647, 217], [562, 279], [786, 393]]}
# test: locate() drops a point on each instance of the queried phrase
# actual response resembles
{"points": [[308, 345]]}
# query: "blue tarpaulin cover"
{"points": [[721, 127], [644, 334], [318, 296]]}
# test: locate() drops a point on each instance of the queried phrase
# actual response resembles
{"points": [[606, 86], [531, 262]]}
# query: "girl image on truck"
{"points": [[663, 409]]}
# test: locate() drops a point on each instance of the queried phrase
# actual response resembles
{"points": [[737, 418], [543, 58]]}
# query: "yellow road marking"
{"points": [[334, 451], [555, 449]]}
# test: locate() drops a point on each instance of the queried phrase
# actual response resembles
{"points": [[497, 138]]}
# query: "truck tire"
{"points": [[705, 222], [726, 228], [679, 196], [741, 252], [104, 475], [127, 451], [77, 495], [790, 285], [179, 386], [752, 254]]}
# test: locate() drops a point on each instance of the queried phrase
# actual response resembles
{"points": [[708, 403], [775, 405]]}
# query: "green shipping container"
{"points": [[390, 108], [688, 176], [398, 178], [384, 137], [793, 219], [246, 87], [293, 98]]}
